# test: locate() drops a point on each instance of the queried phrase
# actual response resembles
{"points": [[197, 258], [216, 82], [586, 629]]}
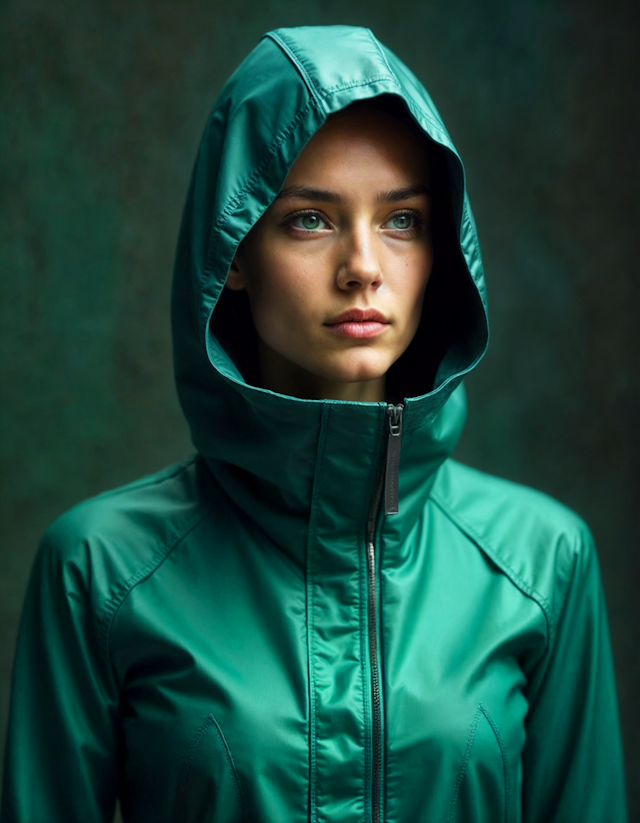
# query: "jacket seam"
{"points": [[238, 198], [298, 62], [329, 90], [420, 112], [503, 752], [211, 722], [495, 556], [481, 711], [365, 641], [376, 45], [463, 766], [324, 425], [144, 483], [363, 620], [112, 606], [325, 91]]}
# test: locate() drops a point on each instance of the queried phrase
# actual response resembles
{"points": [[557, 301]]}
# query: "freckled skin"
{"points": [[300, 275]]}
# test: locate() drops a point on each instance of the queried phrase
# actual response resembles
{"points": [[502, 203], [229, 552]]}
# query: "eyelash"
{"points": [[418, 217]]}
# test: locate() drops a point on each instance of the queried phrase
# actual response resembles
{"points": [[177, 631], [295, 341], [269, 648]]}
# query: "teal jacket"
{"points": [[320, 615]]}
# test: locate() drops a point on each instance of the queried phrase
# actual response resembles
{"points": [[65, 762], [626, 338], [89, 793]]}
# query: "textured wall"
{"points": [[102, 109]]}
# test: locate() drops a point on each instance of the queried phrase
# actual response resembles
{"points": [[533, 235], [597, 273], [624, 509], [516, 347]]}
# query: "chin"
{"points": [[359, 367]]}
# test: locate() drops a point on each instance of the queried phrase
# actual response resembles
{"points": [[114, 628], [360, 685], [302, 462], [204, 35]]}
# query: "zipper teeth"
{"points": [[375, 686], [391, 419]]}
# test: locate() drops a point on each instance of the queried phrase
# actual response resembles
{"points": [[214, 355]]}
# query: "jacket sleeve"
{"points": [[60, 758], [572, 762]]}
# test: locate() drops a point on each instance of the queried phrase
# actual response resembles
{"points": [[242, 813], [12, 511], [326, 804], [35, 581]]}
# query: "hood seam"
{"points": [[232, 205], [235, 201], [376, 45], [418, 111], [329, 90], [298, 63]]}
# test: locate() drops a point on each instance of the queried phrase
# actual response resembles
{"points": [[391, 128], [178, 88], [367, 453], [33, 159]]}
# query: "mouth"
{"points": [[359, 323], [358, 316]]}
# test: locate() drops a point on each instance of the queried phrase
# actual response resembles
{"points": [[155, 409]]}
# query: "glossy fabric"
{"points": [[197, 641]]}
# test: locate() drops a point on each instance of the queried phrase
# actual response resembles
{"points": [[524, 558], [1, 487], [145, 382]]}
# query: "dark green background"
{"points": [[102, 109]]}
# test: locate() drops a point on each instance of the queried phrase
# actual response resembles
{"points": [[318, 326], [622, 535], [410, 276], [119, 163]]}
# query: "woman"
{"points": [[320, 615]]}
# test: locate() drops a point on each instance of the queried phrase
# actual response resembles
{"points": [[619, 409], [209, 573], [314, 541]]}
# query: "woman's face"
{"points": [[348, 232]]}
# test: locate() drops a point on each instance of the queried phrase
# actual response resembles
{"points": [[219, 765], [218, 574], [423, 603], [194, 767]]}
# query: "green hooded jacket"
{"points": [[320, 615]]}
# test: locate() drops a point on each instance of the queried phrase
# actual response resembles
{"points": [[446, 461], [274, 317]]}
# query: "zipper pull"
{"points": [[394, 441]]}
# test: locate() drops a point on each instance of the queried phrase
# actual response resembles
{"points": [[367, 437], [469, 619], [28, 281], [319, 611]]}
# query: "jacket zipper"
{"points": [[394, 440], [388, 474]]}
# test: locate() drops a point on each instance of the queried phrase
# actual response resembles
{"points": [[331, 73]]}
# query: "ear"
{"points": [[236, 279]]}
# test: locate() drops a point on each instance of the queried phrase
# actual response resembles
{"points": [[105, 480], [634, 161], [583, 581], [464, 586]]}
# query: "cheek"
{"points": [[278, 292], [411, 291], [282, 293]]}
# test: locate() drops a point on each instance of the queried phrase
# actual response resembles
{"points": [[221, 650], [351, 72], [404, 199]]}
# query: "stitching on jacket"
{"points": [[383, 678], [209, 723], [329, 90], [481, 711], [326, 410], [238, 198], [297, 61], [325, 91], [463, 766], [383, 673], [483, 543], [364, 644], [112, 606], [505, 767], [144, 482], [366, 708], [364, 635], [376, 46], [420, 112]]}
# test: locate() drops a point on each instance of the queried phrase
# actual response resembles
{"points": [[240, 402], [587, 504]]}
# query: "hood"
{"points": [[279, 458]]}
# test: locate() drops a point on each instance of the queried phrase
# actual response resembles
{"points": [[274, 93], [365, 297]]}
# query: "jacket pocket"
{"points": [[210, 790], [482, 791]]}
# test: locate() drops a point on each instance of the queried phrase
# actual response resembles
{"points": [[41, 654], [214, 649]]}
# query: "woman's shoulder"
{"points": [[533, 538], [491, 502], [105, 541]]}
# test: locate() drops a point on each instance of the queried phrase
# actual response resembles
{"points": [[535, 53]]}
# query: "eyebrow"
{"points": [[309, 193]]}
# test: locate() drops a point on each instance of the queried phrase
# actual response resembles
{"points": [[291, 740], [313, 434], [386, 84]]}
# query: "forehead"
{"points": [[366, 143]]}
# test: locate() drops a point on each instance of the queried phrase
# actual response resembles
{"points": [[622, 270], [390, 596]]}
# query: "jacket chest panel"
{"points": [[452, 741], [212, 757], [215, 709], [454, 632]]}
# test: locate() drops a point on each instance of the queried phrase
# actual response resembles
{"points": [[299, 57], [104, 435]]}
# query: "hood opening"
{"points": [[450, 329]]}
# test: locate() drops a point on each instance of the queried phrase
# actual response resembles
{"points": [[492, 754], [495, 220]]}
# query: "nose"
{"points": [[359, 266]]}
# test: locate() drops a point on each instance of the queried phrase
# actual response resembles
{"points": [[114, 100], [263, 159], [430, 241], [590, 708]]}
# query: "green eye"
{"points": [[308, 221], [402, 221]]}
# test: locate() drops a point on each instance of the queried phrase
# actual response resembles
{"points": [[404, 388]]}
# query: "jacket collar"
{"points": [[283, 460]]}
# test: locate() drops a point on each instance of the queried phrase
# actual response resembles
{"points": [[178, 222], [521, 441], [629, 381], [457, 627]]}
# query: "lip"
{"points": [[359, 323], [358, 316]]}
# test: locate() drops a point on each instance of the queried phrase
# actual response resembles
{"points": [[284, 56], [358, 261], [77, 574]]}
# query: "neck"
{"points": [[281, 375]]}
